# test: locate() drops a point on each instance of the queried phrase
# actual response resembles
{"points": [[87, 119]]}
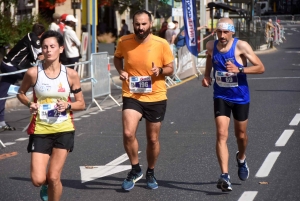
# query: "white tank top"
{"points": [[47, 91]]}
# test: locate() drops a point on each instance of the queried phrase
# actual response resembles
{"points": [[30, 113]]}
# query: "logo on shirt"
{"points": [[60, 88], [38, 42]]}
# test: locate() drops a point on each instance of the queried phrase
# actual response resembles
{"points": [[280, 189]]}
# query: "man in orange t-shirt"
{"points": [[147, 60]]}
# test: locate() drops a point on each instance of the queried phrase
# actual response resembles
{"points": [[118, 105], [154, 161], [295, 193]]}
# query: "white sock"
{"points": [[241, 161], [2, 123]]}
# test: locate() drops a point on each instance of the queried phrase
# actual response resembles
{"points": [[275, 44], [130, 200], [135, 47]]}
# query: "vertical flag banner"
{"points": [[190, 26]]}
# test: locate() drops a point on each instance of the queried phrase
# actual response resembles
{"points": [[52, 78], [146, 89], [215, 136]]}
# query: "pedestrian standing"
{"points": [[124, 28], [55, 23], [228, 57], [51, 129], [72, 42], [147, 60], [170, 33], [21, 56]]}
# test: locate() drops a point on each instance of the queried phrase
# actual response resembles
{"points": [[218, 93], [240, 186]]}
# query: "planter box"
{"points": [[106, 47]]}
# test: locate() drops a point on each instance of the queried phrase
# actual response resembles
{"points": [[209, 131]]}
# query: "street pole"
{"points": [[202, 22], [88, 24], [94, 26], [146, 5]]}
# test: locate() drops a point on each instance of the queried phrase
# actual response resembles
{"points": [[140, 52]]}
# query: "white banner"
{"points": [[186, 63]]}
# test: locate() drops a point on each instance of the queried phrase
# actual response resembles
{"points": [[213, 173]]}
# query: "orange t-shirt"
{"points": [[138, 58]]}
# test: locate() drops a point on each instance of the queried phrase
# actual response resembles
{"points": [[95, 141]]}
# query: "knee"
{"points": [[222, 135], [153, 141], [53, 179], [38, 181], [128, 136]]}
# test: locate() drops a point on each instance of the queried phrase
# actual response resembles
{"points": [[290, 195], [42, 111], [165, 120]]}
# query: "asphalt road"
{"points": [[187, 167]]}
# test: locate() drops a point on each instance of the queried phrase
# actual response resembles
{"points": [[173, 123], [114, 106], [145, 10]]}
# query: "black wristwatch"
{"points": [[161, 70], [69, 106], [241, 69]]}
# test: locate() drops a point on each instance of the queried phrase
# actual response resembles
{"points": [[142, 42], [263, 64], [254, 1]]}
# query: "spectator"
{"points": [[21, 56], [124, 28], [170, 34], [163, 29], [72, 43], [62, 23], [269, 31], [55, 23], [176, 30]]}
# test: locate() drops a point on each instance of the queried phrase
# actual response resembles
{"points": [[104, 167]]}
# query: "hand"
{"points": [[123, 75], [33, 108], [155, 69], [231, 68], [206, 82], [41, 57], [61, 105]]}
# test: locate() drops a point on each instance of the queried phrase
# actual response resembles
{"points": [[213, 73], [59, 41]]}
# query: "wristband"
{"points": [[28, 104], [161, 71]]}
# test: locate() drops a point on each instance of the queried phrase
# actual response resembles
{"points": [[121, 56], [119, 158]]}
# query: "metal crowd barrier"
{"points": [[99, 77]]}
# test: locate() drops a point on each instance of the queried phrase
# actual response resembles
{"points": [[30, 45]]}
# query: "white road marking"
{"points": [[9, 143], [285, 136], [107, 108], [296, 64], [77, 119], [272, 78], [266, 167], [22, 139], [292, 51], [248, 196], [89, 174], [94, 112], [85, 115], [295, 121]]}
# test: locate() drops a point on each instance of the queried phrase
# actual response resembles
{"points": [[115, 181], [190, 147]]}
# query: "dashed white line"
{"points": [[295, 121], [285, 136], [22, 139], [248, 196], [9, 143], [76, 119], [266, 167], [85, 115]]}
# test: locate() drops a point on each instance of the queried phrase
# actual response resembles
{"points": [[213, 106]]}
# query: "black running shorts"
{"points": [[152, 111], [44, 143], [240, 112]]}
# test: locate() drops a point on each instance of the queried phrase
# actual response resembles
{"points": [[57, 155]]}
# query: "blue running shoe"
{"points": [[132, 177], [151, 182], [243, 171], [44, 193], [224, 183]]}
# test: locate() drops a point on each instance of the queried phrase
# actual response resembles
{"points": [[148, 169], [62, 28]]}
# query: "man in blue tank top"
{"points": [[228, 57]]}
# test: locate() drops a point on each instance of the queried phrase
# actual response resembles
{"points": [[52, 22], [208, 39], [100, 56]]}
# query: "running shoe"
{"points": [[224, 183], [7, 128], [132, 177], [44, 193], [243, 171], [151, 182]]}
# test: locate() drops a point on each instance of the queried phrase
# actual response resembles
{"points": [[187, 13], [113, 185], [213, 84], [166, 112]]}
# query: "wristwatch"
{"points": [[161, 71], [241, 69], [69, 106]]}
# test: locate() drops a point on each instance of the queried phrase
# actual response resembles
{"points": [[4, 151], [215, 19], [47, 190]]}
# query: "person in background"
{"points": [[62, 23], [176, 30], [163, 29], [51, 129], [147, 59], [170, 33], [21, 56], [72, 42], [124, 28], [55, 23], [228, 58]]}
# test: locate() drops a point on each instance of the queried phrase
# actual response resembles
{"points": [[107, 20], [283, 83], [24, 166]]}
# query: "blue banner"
{"points": [[190, 26]]}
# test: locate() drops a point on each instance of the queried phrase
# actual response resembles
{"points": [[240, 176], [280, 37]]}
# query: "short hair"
{"points": [[38, 29], [141, 12], [55, 34], [175, 22]]}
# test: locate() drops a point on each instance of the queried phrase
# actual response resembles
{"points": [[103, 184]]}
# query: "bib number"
{"points": [[50, 114], [226, 79], [140, 84]]}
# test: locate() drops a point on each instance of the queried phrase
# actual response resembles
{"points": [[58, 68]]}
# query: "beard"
{"points": [[143, 35], [223, 41]]}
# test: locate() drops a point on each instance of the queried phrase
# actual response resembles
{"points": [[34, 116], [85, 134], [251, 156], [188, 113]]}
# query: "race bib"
{"points": [[226, 79], [140, 84], [50, 114]]}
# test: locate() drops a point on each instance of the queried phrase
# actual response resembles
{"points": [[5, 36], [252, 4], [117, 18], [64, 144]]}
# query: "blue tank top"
{"points": [[232, 87]]}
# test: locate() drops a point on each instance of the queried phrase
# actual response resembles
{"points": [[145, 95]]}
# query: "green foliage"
{"points": [[14, 31]]}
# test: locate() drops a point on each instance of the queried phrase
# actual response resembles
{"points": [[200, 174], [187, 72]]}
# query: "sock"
{"points": [[2, 123], [150, 171], [136, 167], [241, 161]]}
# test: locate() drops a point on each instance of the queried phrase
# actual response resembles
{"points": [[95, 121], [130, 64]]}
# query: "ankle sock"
{"points": [[150, 171], [2, 123], [136, 167]]}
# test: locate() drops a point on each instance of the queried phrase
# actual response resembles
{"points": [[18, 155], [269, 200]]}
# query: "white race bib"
{"points": [[140, 84], [49, 113], [226, 79]]}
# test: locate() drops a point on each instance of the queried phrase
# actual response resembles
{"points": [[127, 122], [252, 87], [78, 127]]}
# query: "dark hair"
{"points": [[175, 22], [55, 34], [38, 29], [141, 12]]}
